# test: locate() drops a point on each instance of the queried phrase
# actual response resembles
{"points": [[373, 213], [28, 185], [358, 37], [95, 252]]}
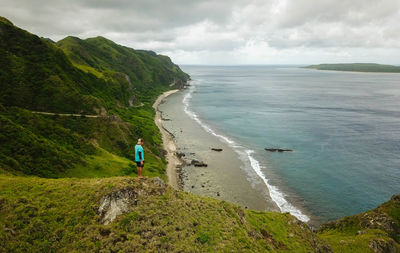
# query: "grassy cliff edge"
{"points": [[67, 215]]}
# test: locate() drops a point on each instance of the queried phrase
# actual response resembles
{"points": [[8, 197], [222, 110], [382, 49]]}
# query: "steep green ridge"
{"points": [[108, 60], [357, 67], [37, 75]]}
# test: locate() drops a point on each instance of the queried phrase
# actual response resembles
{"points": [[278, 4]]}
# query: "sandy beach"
{"points": [[168, 143], [225, 176]]}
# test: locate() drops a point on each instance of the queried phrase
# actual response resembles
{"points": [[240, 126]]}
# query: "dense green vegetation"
{"points": [[35, 145], [56, 169], [61, 215], [36, 75], [47, 215], [110, 61], [357, 67], [93, 76]]}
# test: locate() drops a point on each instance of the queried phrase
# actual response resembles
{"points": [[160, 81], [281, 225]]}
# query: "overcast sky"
{"points": [[226, 32]]}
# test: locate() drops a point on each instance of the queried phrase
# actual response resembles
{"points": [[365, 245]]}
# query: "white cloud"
{"points": [[222, 32]]}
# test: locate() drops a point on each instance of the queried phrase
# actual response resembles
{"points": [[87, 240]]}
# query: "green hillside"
{"points": [[65, 215], [37, 75], [70, 113], [67, 219], [357, 67], [108, 60]]}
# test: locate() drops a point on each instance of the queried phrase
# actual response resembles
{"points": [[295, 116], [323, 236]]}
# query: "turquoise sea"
{"points": [[344, 128]]}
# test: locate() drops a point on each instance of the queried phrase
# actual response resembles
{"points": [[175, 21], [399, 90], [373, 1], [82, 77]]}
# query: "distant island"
{"points": [[357, 67]]}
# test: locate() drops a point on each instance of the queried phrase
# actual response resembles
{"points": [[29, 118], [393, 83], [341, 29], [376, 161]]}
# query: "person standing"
{"points": [[139, 156]]}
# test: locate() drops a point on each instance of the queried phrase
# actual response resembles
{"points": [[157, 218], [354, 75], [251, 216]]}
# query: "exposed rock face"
{"points": [[383, 246], [159, 182], [396, 198], [115, 204], [378, 221], [123, 200]]}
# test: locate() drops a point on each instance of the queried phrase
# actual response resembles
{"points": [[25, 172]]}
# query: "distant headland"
{"points": [[357, 67]]}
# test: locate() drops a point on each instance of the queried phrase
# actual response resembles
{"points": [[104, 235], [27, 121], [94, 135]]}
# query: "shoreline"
{"points": [[168, 143], [219, 179], [224, 175]]}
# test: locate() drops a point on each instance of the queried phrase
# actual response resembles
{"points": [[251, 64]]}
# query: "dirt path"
{"points": [[69, 114], [168, 143]]}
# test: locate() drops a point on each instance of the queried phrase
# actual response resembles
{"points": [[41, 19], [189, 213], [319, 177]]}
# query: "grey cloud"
{"points": [[355, 12], [215, 28]]}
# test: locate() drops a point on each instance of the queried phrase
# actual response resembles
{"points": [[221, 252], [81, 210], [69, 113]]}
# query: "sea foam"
{"points": [[276, 195]]}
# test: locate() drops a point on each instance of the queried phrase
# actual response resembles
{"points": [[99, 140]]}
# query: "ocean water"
{"points": [[344, 128]]}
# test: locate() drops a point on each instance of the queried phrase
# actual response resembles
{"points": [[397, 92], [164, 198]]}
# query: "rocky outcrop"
{"points": [[381, 225], [278, 150], [383, 246], [125, 199], [380, 218], [116, 204], [198, 163]]}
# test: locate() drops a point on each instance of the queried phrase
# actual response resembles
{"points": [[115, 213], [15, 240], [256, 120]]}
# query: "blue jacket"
{"points": [[139, 153]]}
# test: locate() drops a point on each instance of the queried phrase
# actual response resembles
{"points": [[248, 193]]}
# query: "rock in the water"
{"points": [[278, 150], [217, 149]]}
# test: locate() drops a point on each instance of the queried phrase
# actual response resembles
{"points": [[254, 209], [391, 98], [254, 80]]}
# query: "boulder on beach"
{"points": [[217, 149], [278, 150], [180, 154], [198, 163]]}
